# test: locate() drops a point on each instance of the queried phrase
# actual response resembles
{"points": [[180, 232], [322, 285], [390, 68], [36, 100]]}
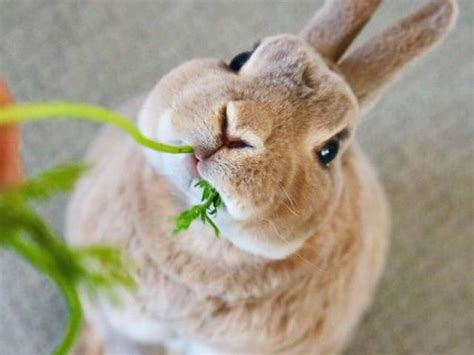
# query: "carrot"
{"points": [[10, 165]]}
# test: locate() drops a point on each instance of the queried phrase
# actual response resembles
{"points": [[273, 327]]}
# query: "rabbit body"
{"points": [[305, 222], [198, 291]]}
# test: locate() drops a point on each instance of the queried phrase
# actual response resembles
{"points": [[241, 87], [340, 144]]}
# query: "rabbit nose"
{"points": [[203, 153], [224, 141]]}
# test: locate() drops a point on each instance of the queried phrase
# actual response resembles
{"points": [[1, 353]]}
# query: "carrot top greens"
{"points": [[97, 268]]}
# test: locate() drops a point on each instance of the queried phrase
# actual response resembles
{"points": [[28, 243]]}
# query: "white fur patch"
{"points": [[254, 243], [259, 248]]}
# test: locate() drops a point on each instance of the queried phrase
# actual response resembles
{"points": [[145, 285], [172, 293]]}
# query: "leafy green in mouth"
{"points": [[211, 202]]}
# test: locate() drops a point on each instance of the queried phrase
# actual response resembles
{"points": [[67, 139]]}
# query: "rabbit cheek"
{"points": [[173, 167], [328, 193], [156, 122]]}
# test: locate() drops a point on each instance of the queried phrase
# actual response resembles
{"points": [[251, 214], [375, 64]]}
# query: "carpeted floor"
{"points": [[420, 136]]}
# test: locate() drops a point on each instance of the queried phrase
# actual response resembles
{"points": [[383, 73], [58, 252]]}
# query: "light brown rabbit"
{"points": [[305, 223]]}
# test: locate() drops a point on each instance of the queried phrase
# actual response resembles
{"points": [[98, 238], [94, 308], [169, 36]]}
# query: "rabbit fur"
{"points": [[303, 245]]}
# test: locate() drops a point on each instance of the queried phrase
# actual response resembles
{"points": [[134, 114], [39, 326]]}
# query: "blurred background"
{"points": [[420, 136]]}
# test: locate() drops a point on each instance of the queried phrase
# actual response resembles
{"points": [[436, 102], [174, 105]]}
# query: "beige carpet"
{"points": [[420, 136]]}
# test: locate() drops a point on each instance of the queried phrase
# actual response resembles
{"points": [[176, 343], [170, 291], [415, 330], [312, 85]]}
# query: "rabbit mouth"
{"points": [[192, 166]]}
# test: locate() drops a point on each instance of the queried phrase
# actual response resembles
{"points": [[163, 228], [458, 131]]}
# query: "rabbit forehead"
{"points": [[297, 86], [288, 80], [280, 54]]}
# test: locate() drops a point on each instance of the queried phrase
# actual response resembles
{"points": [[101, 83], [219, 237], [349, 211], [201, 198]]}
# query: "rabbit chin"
{"points": [[233, 222], [235, 227], [267, 243]]}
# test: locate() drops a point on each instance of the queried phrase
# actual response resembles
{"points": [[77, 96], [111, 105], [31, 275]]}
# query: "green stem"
{"points": [[68, 290], [41, 111], [74, 322], [210, 200]]}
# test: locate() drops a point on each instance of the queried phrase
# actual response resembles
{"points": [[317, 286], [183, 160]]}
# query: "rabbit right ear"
{"points": [[371, 67]]}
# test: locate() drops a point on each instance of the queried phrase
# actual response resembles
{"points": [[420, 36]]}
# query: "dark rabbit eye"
{"points": [[328, 152], [239, 61]]}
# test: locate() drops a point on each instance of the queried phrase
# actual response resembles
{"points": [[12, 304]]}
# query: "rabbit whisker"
{"points": [[292, 202]]}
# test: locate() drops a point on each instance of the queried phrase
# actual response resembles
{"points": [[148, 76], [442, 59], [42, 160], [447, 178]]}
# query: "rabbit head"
{"points": [[272, 129]]}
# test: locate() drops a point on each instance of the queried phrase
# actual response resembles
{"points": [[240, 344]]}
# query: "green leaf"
{"points": [[56, 180], [211, 201], [184, 219]]}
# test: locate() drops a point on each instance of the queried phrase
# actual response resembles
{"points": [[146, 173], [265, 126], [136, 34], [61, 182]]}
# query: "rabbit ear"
{"points": [[375, 64], [336, 24]]}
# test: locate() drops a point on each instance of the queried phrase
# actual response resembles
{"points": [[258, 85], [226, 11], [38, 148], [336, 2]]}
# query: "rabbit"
{"points": [[305, 223]]}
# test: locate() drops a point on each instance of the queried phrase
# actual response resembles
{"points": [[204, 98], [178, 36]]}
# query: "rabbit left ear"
{"points": [[336, 24]]}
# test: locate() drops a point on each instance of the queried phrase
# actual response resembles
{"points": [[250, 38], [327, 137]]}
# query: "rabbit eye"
{"points": [[327, 153], [239, 61]]}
